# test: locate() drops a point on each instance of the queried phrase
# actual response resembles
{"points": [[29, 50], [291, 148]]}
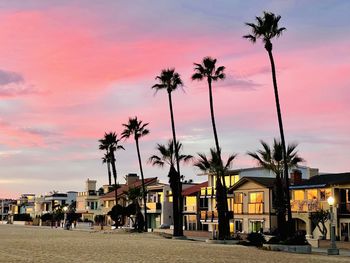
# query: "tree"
{"points": [[214, 165], [266, 29], [319, 218], [110, 143], [137, 129], [208, 70], [133, 195], [107, 159], [166, 156], [272, 159], [170, 81]]}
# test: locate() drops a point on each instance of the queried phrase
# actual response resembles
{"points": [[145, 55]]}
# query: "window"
{"points": [[203, 203], [299, 195], [230, 180], [324, 194], [255, 205], [256, 226], [238, 225], [311, 194], [238, 203]]}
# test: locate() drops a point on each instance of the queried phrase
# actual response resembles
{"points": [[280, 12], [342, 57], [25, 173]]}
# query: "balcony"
{"points": [[208, 191], [303, 206], [209, 216], [153, 207], [255, 208]]}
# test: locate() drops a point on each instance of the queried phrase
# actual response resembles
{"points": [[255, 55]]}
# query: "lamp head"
{"points": [[330, 200]]}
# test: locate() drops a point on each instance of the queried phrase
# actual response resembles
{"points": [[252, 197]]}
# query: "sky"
{"points": [[72, 70]]}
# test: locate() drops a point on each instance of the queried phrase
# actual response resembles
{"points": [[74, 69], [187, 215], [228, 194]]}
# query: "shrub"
{"points": [[256, 239], [297, 239], [274, 240], [22, 217]]}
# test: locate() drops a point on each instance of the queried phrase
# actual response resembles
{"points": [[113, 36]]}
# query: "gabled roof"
{"points": [[124, 187], [194, 189], [267, 182], [324, 180]]}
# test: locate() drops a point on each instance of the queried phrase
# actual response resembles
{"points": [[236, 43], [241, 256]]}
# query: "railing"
{"points": [[305, 205], [238, 208], [152, 206], [208, 191]]}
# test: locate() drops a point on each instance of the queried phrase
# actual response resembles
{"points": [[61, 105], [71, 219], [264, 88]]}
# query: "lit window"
{"points": [[324, 194], [312, 194], [299, 195]]}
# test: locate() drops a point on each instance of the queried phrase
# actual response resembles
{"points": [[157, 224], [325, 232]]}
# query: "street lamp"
{"points": [[333, 250], [65, 209]]}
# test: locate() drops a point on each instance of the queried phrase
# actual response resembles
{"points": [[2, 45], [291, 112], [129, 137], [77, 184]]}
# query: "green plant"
{"points": [[297, 239]]}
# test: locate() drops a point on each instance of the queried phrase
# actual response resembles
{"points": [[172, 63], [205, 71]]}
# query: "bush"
{"points": [[297, 239], [22, 217], [274, 240], [256, 239]]}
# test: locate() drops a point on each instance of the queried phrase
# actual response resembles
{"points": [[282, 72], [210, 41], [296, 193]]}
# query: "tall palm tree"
{"points": [[137, 129], [272, 159], [107, 159], [170, 81], [166, 156], [208, 70], [214, 165], [110, 142], [266, 29]]}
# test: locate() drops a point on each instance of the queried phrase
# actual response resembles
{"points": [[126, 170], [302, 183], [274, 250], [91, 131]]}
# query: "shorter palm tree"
{"points": [[214, 166], [167, 156], [110, 143], [137, 129], [271, 158]]}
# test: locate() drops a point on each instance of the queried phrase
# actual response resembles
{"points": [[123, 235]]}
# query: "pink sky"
{"points": [[71, 70]]}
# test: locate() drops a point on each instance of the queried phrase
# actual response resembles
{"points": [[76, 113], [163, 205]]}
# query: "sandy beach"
{"points": [[33, 244]]}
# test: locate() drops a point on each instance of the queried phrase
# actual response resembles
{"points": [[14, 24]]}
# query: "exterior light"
{"points": [[330, 200], [65, 209]]}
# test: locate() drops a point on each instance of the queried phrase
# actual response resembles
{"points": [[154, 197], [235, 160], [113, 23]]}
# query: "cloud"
{"points": [[8, 77], [239, 83], [12, 84]]}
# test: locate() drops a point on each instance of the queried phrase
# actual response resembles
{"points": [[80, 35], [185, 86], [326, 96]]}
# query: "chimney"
{"points": [[90, 185], [131, 178], [296, 177]]}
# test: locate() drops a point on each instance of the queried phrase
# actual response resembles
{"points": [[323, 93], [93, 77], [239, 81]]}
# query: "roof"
{"points": [[124, 187], [324, 180], [267, 182], [194, 189]]}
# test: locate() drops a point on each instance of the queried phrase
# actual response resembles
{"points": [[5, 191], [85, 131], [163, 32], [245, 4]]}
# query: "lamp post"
{"points": [[333, 250], [65, 209]]}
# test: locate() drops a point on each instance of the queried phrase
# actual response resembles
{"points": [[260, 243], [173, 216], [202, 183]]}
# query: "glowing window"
{"points": [[299, 195], [324, 194], [312, 194]]}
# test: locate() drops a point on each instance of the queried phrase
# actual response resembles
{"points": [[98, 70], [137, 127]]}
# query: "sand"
{"points": [[33, 244]]}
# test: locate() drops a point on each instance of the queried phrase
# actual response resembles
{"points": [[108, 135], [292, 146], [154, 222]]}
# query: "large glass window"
{"points": [[299, 195], [256, 226], [255, 205], [324, 194], [238, 203], [238, 225], [312, 194]]}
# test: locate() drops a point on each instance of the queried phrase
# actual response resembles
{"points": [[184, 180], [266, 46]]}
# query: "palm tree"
{"points": [[208, 70], [214, 165], [110, 143], [170, 80], [267, 28], [166, 156], [272, 159], [107, 159], [136, 128]]}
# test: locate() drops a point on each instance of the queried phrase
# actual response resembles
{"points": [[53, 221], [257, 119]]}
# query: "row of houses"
{"points": [[250, 195]]}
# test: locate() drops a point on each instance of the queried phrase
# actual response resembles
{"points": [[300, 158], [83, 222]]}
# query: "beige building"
{"points": [[88, 202]]}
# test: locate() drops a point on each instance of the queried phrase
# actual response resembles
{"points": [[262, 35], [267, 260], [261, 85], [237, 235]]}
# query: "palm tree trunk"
{"points": [[178, 231], [109, 173], [143, 183], [279, 115], [114, 170], [221, 191]]}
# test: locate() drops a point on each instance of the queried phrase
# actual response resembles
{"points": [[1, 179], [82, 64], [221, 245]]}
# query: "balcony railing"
{"points": [[208, 191], [305, 205]]}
